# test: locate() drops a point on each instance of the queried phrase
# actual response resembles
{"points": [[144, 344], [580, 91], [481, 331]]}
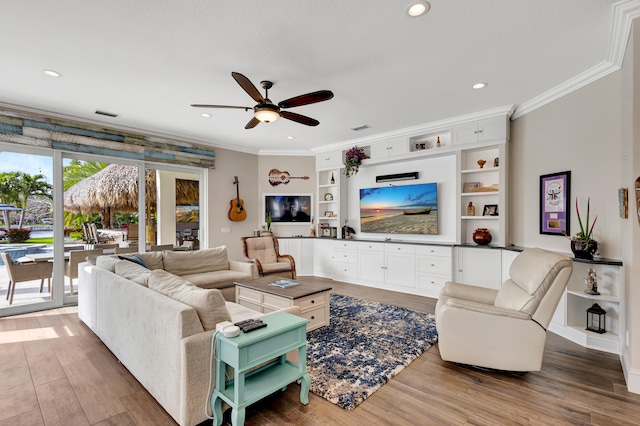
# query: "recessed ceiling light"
{"points": [[52, 73], [205, 115], [417, 8], [479, 86], [291, 137]]}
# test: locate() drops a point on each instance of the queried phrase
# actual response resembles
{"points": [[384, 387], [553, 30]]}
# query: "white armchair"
{"points": [[503, 329]]}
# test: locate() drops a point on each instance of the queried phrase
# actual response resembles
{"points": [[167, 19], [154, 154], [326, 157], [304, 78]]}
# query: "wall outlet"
{"points": [[226, 230]]}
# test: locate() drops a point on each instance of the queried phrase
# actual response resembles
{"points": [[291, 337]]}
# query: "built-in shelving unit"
{"points": [[330, 208]]}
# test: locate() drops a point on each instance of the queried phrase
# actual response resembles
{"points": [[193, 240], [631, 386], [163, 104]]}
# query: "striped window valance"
{"points": [[47, 132]]}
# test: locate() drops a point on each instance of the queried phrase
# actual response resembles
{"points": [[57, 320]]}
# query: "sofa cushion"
{"points": [[107, 262], [153, 259], [133, 271], [135, 258], [209, 304], [218, 279], [195, 262]]}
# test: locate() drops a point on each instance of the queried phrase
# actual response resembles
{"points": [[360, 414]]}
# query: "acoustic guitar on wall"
{"points": [[237, 213], [276, 177]]}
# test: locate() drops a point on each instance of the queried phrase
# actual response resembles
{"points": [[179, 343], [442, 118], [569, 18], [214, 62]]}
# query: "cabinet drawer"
{"points": [[317, 317], [275, 302], [318, 299], [249, 295], [377, 247], [400, 248], [347, 270], [249, 304], [435, 282], [434, 265], [441, 251], [346, 256]]}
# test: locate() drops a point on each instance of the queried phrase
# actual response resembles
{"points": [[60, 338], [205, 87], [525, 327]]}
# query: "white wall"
{"points": [[441, 170], [580, 132]]}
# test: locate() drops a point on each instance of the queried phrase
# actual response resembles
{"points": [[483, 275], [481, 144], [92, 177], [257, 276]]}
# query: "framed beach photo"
{"points": [[555, 193], [470, 186]]}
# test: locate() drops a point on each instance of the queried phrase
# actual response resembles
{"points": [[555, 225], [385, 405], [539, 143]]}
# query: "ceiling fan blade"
{"points": [[309, 98], [299, 118], [248, 86], [220, 106], [252, 123]]}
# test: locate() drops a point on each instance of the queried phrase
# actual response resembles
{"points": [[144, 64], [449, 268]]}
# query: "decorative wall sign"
{"points": [[623, 202], [555, 192]]}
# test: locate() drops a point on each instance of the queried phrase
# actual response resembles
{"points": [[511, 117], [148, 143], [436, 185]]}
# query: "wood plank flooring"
{"points": [[55, 371]]}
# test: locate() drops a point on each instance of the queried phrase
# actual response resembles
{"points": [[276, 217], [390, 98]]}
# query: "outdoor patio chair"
{"points": [[132, 233], [120, 250], [161, 247], [75, 258], [26, 272]]}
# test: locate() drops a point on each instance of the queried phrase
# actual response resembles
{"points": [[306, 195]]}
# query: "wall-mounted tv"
{"points": [[288, 208], [400, 209]]}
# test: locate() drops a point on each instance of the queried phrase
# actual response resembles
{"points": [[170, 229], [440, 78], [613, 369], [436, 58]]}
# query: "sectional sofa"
{"points": [[158, 324]]}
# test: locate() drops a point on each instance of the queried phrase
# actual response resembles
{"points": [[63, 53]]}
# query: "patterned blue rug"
{"points": [[366, 344]]}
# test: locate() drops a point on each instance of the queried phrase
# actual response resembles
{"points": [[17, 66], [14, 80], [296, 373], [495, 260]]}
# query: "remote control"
{"points": [[252, 327], [245, 322]]}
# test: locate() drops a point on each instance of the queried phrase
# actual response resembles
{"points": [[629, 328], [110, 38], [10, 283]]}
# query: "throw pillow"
{"points": [[209, 304], [107, 262], [135, 259], [196, 262], [153, 259], [133, 271]]}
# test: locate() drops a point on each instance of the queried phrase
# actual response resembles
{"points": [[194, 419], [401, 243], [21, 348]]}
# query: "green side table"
{"points": [[284, 333]]}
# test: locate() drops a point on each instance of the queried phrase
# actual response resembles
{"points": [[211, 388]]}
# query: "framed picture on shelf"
{"points": [[328, 213], [490, 210], [555, 193], [470, 186]]}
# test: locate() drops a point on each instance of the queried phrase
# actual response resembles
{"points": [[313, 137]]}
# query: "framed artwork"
{"points": [[555, 193], [328, 213], [490, 210], [470, 186]]}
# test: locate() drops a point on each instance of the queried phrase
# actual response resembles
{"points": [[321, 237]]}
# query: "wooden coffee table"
{"points": [[313, 299]]}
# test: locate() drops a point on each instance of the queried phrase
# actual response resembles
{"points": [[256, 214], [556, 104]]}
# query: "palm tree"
{"points": [[9, 182], [29, 186]]}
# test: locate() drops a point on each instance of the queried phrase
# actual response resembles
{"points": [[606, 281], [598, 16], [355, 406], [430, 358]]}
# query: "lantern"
{"points": [[596, 319]]}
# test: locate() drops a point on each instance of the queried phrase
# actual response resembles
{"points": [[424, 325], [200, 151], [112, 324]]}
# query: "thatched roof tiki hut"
{"points": [[115, 189]]}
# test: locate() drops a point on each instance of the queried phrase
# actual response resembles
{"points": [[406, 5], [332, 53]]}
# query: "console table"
{"points": [[245, 353]]}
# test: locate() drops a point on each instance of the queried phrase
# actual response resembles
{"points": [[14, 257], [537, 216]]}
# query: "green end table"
{"points": [[284, 333]]}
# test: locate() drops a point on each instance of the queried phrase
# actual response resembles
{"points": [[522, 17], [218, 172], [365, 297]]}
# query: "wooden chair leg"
{"points": [[12, 287], [41, 285], [9, 290], [71, 293]]}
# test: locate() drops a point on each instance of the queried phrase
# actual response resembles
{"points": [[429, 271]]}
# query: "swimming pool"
{"points": [[18, 250]]}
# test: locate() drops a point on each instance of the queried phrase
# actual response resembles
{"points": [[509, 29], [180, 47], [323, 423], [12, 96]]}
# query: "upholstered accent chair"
{"points": [[26, 272], [265, 253], [503, 329]]}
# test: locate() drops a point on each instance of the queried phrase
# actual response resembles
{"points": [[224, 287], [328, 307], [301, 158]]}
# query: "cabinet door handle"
{"points": [[312, 317]]}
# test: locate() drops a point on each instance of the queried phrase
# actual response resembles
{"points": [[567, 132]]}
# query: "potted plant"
{"points": [[266, 228], [583, 245], [353, 159]]}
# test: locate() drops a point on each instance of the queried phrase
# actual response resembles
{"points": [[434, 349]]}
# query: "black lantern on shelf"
{"points": [[597, 319]]}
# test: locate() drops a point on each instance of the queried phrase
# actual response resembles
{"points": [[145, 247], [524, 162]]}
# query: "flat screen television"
{"points": [[288, 208], [400, 209]]}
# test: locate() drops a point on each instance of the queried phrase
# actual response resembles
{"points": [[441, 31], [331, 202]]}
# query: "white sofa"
{"points": [[161, 341]]}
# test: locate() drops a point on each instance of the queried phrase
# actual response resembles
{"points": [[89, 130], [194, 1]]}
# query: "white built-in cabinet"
{"points": [[303, 252], [390, 147], [480, 267], [480, 131], [329, 160]]}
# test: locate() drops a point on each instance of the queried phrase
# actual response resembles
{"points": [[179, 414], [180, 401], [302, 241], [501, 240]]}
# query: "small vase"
{"points": [[482, 236], [584, 251]]}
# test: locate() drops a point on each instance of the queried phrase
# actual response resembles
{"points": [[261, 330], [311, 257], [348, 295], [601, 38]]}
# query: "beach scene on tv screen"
{"points": [[400, 209]]}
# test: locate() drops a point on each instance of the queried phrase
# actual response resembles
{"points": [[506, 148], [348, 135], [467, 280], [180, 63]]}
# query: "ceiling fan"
{"points": [[266, 111]]}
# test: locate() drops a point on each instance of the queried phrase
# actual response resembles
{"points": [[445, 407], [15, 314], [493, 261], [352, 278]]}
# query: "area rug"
{"points": [[365, 345]]}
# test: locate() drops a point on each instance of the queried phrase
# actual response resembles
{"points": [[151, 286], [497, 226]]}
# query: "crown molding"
{"points": [[624, 12]]}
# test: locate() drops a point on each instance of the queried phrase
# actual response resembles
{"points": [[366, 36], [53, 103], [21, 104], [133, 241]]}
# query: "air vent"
{"points": [[360, 127], [108, 114]]}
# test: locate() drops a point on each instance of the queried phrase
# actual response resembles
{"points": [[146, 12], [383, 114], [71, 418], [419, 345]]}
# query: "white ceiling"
{"points": [[147, 61]]}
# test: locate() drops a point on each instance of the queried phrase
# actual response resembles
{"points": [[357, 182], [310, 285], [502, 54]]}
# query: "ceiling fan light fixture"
{"points": [[266, 113], [52, 73], [479, 86], [417, 8]]}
